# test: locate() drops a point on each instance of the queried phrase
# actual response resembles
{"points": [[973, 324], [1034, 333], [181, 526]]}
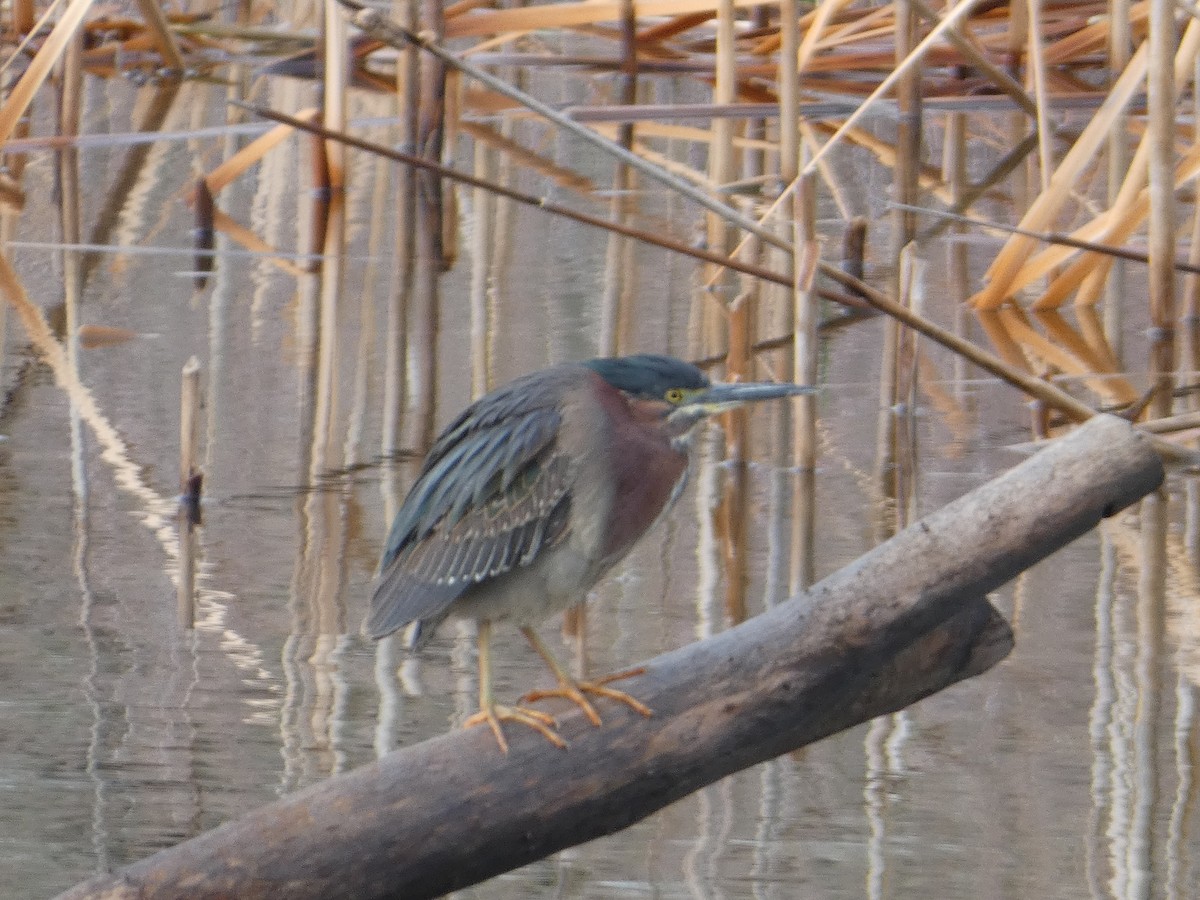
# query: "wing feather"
{"points": [[493, 493]]}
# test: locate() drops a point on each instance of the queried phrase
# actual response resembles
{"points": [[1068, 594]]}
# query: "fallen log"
{"points": [[905, 620]]}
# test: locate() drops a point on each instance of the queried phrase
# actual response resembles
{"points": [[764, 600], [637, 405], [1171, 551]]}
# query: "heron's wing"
{"points": [[494, 492]]}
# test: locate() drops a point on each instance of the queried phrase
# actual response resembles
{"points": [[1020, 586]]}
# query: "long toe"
{"points": [[572, 691], [575, 691], [494, 714], [598, 688]]}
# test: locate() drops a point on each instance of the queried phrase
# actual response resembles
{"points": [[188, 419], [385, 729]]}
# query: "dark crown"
{"points": [[648, 374]]}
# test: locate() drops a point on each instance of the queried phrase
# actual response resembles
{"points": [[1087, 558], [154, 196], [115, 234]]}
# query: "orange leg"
{"points": [[494, 713], [573, 690]]}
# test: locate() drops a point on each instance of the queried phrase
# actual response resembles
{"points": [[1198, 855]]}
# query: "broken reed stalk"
{"points": [[433, 212], [1190, 313], [616, 297], [905, 189], [189, 432], [335, 79], [721, 167], [907, 167], [190, 481], [395, 371], [481, 264], [805, 360]]}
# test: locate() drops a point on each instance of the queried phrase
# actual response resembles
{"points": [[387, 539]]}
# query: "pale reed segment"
{"points": [[1004, 269]]}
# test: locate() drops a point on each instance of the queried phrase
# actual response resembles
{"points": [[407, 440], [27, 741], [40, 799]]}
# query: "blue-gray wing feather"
{"points": [[493, 492]]}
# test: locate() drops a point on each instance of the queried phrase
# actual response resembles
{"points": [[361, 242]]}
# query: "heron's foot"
{"points": [[570, 689], [494, 714]]}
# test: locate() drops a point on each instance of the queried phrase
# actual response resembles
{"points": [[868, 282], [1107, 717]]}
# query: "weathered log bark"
{"points": [[905, 620]]}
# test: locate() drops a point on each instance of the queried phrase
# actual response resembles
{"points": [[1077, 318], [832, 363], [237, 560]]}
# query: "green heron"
{"points": [[531, 495]]}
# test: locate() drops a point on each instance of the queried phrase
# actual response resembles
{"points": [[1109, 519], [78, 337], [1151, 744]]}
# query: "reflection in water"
{"points": [[1151, 635], [1179, 874], [707, 479], [1102, 714]]}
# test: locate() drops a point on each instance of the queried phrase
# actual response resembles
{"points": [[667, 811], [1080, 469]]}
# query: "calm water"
{"points": [[1067, 771]]}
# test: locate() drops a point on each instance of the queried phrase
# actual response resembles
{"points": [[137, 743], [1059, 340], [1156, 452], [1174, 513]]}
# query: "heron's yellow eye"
{"points": [[674, 395]]}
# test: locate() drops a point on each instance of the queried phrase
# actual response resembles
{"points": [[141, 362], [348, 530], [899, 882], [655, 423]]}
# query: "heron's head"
{"points": [[685, 393]]}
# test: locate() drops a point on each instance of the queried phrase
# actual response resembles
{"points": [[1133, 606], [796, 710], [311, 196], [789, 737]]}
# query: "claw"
{"points": [[539, 721]]}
